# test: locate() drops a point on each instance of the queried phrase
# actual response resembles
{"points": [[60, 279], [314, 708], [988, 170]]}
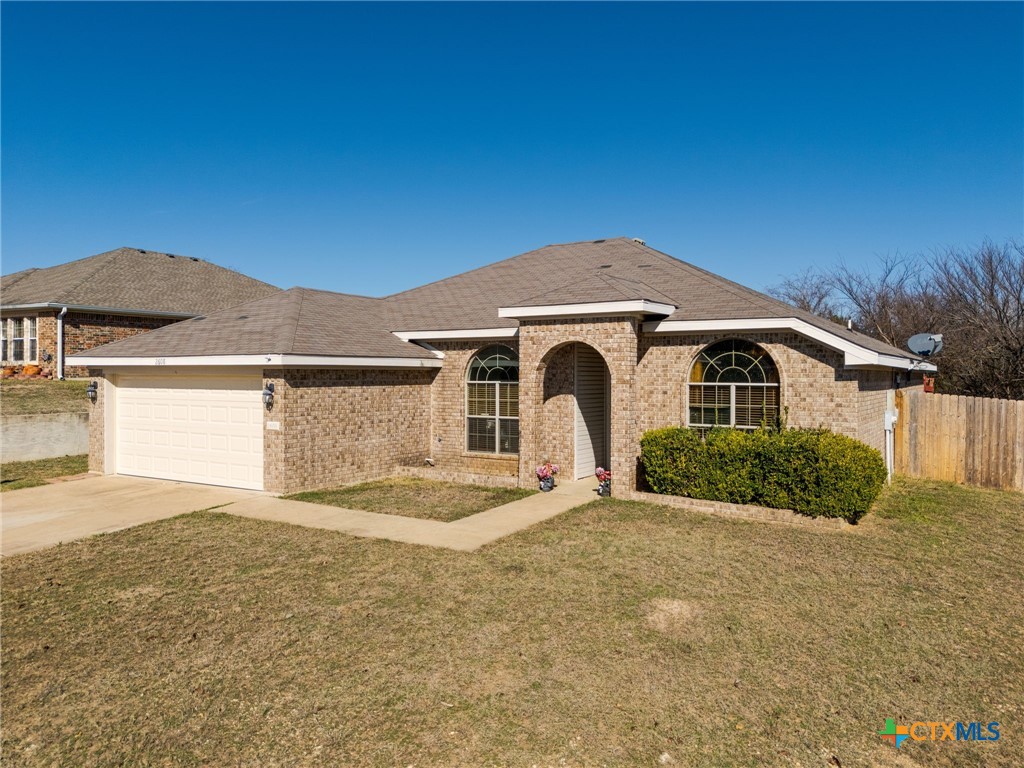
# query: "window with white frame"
{"points": [[733, 383], [492, 401], [19, 339]]}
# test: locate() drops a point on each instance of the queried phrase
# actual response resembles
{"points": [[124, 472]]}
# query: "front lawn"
{"points": [[27, 474], [416, 497], [24, 396], [618, 634]]}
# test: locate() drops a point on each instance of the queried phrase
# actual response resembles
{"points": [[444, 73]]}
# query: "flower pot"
{"points": [[547, 484]]}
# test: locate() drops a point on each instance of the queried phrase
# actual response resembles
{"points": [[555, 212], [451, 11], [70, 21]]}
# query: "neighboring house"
{"points": [[567, 353], [49, 314]]}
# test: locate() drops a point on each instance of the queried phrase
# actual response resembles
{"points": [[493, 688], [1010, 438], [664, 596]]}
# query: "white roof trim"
{"points": [[470, 333], [630, 307], [98, 310], [271, 361], [856, 356]]}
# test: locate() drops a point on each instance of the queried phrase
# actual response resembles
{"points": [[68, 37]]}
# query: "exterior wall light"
{"points": [[268, 396], [92, 391]]}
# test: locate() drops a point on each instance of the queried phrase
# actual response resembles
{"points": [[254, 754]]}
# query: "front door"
{"points": [[592, 412]]}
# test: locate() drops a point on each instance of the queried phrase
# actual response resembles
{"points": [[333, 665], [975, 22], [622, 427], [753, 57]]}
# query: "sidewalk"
{"points": [[466, 535]]}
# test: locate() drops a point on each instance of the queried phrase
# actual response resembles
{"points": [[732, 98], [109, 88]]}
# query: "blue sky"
{"points": [[371, 148]]}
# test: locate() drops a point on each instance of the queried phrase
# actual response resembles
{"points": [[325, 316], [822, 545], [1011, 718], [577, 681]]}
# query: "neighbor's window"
{"points": [[492, 401], [733, 383], [19, 339]]}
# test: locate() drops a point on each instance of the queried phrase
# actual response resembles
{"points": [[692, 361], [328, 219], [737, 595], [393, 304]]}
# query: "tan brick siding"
{"points": [[871, 400], [448, 413], [96, 427], [84, 331], [344, 426], [816, 390], [540, 344]]}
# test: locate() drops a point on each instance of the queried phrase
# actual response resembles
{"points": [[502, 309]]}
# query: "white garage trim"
{"points": [[196, 429]]}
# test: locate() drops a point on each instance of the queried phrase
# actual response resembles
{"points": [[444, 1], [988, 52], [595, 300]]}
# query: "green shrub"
{"points": [[813, 472]]}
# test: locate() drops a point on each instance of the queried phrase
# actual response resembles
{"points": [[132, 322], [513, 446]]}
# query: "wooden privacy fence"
{"points": [[973, 440]]}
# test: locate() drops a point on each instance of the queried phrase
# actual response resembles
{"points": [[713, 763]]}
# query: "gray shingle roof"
{"points": [[299, 321], [304, 321], [133, 279], [471, 299]]}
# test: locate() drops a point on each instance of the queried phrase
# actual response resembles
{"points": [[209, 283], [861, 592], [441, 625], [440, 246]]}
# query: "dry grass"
{"points": [[416, 497], [24, 396], [611, 635], [26, 474]]}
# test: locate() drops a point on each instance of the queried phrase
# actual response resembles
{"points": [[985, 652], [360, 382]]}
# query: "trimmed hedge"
{"points": [[811, 471]]}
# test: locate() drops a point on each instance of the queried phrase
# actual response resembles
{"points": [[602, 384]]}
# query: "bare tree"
{"points": [[811, 291], [974, 298], [982, 294]]}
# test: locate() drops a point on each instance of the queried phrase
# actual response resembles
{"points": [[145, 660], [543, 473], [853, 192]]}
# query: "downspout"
{"points": [[60, 343]]}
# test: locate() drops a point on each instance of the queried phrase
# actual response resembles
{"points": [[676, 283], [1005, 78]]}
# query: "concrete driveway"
{"points": [[36, 518]]}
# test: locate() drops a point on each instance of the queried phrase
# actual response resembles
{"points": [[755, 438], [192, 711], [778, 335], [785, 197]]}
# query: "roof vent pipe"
{"points": [[638, 240]]}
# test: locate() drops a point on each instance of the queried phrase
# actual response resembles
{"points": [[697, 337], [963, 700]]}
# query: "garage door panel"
{"points": [[202, 430]]}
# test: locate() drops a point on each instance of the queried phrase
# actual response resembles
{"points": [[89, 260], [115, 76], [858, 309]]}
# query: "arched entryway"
{"points": [[571, 425], [591, 411]]}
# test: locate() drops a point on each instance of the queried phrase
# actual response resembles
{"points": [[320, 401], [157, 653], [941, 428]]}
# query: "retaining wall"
{"points": [[43, 436]]}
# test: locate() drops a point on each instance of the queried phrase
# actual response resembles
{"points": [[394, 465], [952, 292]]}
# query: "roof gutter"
{"points": [[260, 361], [99, 310], [855, 355]]}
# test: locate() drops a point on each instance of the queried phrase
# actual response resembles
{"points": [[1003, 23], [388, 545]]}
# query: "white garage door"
{"points": [[195, 429]]}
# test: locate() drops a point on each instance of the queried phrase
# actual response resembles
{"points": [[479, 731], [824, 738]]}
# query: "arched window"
{"points": [[733, 383], [492, 401]]}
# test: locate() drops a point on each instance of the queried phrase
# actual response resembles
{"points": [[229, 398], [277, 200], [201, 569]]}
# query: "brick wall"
{"points": [[84, 331], [815, 387], [541, 347], [871, 400], [557, 424], [344, 426], [96, 427], [47, 335], [448, 413]]}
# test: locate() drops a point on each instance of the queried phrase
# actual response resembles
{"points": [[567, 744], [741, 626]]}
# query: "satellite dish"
{"points": [[925, 344]]}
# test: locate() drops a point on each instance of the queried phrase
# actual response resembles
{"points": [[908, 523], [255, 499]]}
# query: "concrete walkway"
{"points": [[36, 518], [466, 535]]}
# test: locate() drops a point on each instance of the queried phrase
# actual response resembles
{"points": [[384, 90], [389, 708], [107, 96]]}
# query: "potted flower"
{"points": [[604, 481], [546, 474]]}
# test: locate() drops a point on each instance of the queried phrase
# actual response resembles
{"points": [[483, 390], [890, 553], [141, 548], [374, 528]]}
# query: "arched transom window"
{"points": [[492, 401], [733, 383]]}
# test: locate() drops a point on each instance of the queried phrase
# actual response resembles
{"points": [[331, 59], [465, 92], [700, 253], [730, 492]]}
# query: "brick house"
{"points": [[567, 353], [49, 314]]}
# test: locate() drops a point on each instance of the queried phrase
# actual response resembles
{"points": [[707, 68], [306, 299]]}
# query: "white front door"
{"points": [[592, 392], [201, 429]]}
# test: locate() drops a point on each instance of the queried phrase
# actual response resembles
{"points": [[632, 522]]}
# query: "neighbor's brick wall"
{"points": [[96, 427], [47, 336], [815, 386], [83, 331], [448, 413], [344, 426]]}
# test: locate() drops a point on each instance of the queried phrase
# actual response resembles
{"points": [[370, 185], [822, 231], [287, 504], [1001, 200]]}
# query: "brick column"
{"points": [[616, 339]]}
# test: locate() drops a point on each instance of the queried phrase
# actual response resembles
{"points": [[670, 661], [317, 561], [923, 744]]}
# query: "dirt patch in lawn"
{"points": [[208, 639], [416, 497], [672, 616], [27, 474]]}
